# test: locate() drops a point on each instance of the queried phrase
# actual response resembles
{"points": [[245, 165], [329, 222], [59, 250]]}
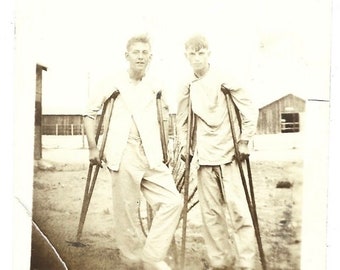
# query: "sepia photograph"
{"points": [[184, 135]]}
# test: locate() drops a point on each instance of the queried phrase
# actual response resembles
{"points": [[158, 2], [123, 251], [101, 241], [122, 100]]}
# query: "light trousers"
{"points": [[134, 179], [227, 225]]}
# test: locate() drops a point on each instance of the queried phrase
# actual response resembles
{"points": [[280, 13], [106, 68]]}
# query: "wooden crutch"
{"points": [[186, 182], [92, 177], [250, 201], [161, 127]]}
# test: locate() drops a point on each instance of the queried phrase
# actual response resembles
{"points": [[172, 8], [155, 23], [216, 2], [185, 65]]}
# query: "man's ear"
{"points": [[126, 55]]}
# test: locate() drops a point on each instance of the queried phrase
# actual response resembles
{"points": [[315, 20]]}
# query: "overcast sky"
{"points": [[275, 47]]}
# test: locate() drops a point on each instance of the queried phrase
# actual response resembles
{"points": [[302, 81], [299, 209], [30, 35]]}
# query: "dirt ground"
{"points": [[57, 200]]}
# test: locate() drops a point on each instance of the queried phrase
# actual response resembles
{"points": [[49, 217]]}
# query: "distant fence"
{"points": [[56, 129], [68, 129]]}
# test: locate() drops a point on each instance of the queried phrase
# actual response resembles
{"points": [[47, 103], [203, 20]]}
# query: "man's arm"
{"points": [[248, 116], [163, 116], [248, 112], [183, 100], [90, 130], [94, 105]]}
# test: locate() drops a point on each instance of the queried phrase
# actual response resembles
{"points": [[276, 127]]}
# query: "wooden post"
{"points": [[56, 129], [38, 112], [83, 135]]}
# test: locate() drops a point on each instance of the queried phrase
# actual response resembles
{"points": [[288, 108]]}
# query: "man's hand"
{"points": [[243, 149], [183, 153], [169, 158], [94, 156]]}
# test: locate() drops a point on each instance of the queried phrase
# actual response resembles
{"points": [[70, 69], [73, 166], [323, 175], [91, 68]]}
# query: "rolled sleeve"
{"points": [[99, 94]]}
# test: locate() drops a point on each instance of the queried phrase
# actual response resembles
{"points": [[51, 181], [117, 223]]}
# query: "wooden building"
{"points": [[62, 124], [72, 124], [281, 116]]}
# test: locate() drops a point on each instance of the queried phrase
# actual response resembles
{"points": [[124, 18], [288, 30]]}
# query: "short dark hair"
{"points": [[144, 38], [197, 42]]}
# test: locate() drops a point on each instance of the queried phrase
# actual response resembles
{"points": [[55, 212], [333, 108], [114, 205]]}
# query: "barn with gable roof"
{"points": [[284, 115]]}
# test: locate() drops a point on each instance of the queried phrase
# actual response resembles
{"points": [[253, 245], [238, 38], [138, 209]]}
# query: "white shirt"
{"points": [[212, 141]]}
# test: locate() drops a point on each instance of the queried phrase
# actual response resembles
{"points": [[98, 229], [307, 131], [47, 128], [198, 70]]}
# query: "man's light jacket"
{"points": [[134, 114]]}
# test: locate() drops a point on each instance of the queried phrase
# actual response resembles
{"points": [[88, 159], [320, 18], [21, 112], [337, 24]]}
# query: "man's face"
{"points": [[139, 56], [198, 59]]}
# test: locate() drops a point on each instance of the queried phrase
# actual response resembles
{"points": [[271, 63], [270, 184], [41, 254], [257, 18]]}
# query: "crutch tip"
{"points": [[76, 244]]}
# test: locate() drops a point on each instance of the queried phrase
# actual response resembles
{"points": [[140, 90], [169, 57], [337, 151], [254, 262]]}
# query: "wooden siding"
{"points": [[62, 119], [62, 124]]}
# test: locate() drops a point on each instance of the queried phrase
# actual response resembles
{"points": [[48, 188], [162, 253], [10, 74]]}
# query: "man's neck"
{"points": [[201, 72], [136, 75]]}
